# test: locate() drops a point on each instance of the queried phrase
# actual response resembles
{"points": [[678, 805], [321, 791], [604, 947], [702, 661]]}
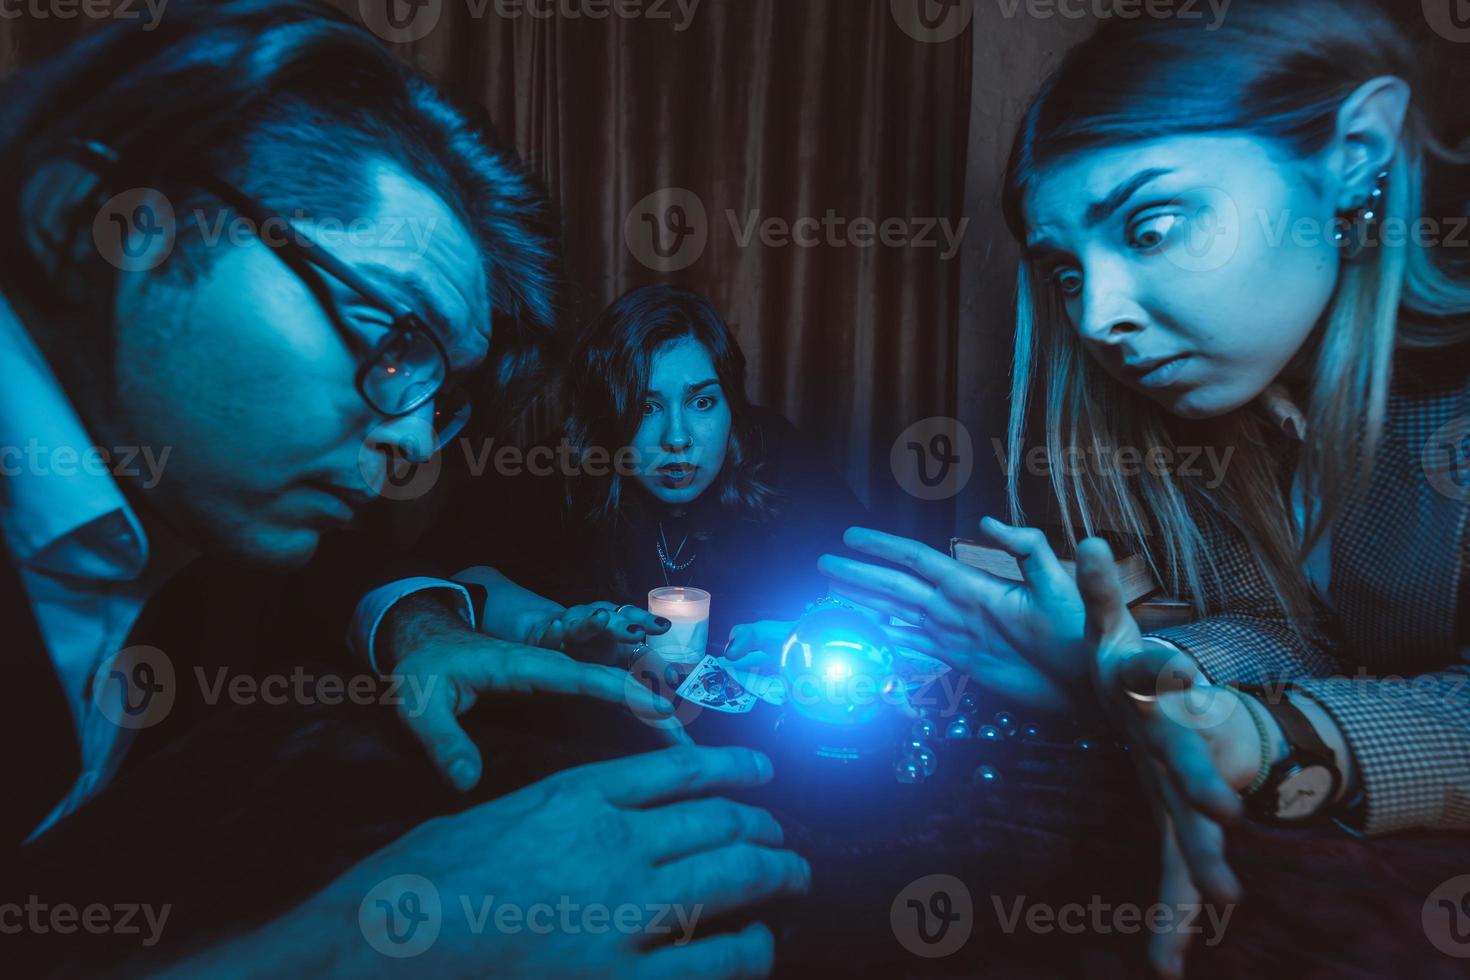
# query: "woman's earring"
{"points": [[1353, 230]]}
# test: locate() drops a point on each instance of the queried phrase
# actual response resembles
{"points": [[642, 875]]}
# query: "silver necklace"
{"points": [[672, 564]]}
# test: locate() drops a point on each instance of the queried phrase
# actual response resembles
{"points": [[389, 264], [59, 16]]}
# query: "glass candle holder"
{"points": [[688, 610]]}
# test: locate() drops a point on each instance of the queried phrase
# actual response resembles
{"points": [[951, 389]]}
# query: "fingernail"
{"points": [[462, 773], [663, 704], [635, 630], [763, 766], [660, 621]]}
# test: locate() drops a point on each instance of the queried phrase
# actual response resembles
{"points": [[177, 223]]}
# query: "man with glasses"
{"points": [[169, 282]]}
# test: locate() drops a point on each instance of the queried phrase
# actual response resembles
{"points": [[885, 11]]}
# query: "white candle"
{"points": [[688, 610]]}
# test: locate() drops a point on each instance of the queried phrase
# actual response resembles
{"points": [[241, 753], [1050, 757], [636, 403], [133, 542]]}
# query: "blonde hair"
{"points": [[1273, 80]]}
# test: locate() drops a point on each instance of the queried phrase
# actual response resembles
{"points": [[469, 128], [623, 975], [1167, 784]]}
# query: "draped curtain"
{"points": [[766, 112], [757, 118]]}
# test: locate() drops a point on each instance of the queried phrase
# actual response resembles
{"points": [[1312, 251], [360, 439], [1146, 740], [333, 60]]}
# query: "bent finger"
{"points": [[671, 774], [751, 952], [680, 830]]}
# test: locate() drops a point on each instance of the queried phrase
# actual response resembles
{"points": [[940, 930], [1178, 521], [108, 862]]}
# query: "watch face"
{"points": [[1303, 792]]}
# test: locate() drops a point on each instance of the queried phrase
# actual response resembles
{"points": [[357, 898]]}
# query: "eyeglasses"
{"points": [[409, 367], [406, 370]]}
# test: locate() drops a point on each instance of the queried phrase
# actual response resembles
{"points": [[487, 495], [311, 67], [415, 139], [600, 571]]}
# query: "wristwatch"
{"points": [[1302, 785]]}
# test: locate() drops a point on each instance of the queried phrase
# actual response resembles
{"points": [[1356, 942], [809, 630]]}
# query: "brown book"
{"points": [[1161, 612], [1133, 571]]}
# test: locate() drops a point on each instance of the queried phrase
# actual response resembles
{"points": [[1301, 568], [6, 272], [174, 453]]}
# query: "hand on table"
{"points": [[757, 646], [600, 632], [1023, 640], [454, 664], [1195, 745], [644, 832]]}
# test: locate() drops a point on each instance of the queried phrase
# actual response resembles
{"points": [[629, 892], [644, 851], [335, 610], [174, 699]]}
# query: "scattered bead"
{"points": [[986, 776]]}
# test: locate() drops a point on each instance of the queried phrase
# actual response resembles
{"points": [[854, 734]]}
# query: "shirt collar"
{"points": [[1282, 409], [60, 508]]}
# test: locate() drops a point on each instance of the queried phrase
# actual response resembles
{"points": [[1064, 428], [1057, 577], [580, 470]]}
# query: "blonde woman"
{"points": [[1228, 245]]}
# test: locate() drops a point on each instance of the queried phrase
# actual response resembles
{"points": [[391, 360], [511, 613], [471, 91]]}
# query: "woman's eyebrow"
{"points": [[1100, 211], [688, 389]]}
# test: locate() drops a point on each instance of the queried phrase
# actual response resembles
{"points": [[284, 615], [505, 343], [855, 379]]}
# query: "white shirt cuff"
{"points": [[362, 632]]}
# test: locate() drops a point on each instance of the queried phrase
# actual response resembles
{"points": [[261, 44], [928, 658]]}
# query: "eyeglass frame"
{"points": [[404, 319]]}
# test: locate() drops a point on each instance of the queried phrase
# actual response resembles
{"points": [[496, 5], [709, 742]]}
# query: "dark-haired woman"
{"points": [[674, 478]]}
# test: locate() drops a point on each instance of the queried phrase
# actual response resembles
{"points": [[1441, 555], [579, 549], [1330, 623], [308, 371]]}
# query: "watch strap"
{"points": [[1299, 731], [1304, 748]]}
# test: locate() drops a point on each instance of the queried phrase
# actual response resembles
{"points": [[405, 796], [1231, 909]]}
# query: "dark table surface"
{"points": [[260, 806]]}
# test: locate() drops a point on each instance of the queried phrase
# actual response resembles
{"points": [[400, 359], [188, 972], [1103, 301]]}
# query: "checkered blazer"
{"points": [[1389, 659]]}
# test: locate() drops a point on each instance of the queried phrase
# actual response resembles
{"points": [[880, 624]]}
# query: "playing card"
{"points": [[916, 669], [711, 686], [767, 687]]}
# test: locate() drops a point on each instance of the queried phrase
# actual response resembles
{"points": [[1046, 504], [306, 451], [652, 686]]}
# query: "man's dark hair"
{"points": [[288, 100]]}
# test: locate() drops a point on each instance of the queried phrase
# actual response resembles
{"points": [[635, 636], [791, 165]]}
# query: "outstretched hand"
{"points": [[1023, 640], [454, 665], [1194, 745], [599, 632]]}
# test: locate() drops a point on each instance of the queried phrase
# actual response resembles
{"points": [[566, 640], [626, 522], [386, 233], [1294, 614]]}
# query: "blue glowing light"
{"points": [[838, 668]]}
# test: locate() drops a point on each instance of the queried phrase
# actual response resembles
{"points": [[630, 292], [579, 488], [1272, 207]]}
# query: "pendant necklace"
{"points": [[671, 563]]}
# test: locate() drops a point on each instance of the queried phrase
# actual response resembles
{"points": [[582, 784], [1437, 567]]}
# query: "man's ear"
{"points": [[1369, 124], [57, 195]]}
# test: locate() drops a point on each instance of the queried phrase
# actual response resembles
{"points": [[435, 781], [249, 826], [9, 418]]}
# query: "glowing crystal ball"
{"points": [[838, 667]]}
